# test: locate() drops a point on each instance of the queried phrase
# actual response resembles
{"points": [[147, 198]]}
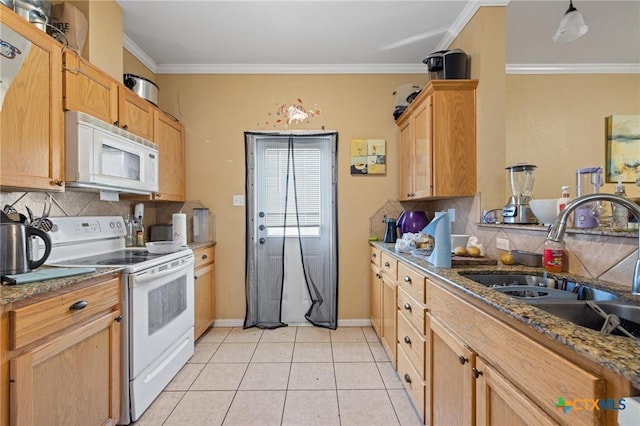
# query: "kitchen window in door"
{"points": [[291, 223]]}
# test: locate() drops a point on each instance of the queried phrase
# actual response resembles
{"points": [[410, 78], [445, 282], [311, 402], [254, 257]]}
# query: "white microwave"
{"points": [[100, 156]]}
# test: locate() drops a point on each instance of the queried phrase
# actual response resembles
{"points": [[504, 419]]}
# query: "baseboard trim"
{"points": [[341, 323]]}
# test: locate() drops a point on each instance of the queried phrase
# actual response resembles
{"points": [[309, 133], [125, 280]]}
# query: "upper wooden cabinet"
{"points": [[169, 135], [88, 89], [437, 142], [32, 133]]}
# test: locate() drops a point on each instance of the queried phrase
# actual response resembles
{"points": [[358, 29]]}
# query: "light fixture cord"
{"points": [[571, 8]]}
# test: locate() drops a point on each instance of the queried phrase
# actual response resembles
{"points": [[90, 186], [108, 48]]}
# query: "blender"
{"points": [[588, 181], [517, 210]]}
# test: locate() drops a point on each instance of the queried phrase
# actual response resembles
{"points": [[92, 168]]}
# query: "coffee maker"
{"points": [[517, 209]]}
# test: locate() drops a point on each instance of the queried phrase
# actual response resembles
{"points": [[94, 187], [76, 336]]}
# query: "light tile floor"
{"points": [[288, 376]]}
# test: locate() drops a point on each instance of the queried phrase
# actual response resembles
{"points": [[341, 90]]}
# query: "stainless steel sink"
{"points": [[580, 313], [530, 288]]}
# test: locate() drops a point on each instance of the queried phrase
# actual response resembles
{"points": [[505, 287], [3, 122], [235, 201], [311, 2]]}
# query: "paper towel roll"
{"points": [[179, 228]]}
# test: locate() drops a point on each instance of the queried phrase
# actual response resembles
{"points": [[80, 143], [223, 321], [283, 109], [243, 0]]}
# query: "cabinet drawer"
{"points": [[389, 265], [29, 323], [413, 282], [411, 381], [375, 256], [413, 311], [412, 343], [203, 256]]}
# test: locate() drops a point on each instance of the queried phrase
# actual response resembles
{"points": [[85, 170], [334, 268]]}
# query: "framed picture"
{"points": [[368, 157], [622, 148]]}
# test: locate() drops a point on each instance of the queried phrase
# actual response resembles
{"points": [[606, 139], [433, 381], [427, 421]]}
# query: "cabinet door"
{"points": [[452, 386], [376, 299], [169, 135], [71, 380], [389, 320], [498, 402], [88, 89], [135, 114], [204, 299], [32, 133], [405, 152], [422, 154]]}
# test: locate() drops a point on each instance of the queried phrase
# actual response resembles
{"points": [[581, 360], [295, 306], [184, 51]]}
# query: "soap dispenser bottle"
{"points": [[620, 213], [563, 200]]}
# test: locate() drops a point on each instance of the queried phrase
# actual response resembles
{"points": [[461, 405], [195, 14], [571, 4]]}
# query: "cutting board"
{"points": [[472, 261], [49, 274]]}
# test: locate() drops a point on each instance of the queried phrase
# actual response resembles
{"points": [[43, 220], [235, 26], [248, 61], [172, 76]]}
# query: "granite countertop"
{"points": [[195, 246], [616, 353], [14, 293]]}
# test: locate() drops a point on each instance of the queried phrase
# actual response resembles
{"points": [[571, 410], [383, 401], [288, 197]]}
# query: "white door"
{"points": [[290, 218]]}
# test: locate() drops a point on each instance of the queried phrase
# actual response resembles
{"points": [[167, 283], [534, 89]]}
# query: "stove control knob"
{"points": [[118, 225], [112, 225]]}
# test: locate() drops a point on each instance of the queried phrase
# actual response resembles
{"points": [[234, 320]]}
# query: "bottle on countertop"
{"points": [[561, 204], [128, 226], [620, 213], [554, 257], [139, 232]]}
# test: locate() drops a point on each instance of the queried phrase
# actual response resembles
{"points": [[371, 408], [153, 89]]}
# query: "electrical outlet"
{"points": [[238, 200], [502, 244], [452, 215]]}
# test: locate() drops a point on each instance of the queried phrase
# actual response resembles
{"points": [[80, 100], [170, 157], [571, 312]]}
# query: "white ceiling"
{"points": [[365, 36]]}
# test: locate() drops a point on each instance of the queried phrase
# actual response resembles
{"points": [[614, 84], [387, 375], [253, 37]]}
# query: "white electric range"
{"points": [[157, 302]]}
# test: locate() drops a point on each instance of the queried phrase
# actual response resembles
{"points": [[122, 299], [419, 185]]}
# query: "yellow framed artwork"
{"points": [[622, 148], [368, 156]]}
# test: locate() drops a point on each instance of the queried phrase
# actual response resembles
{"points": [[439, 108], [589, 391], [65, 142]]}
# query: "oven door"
{"points": [[161, 311]]}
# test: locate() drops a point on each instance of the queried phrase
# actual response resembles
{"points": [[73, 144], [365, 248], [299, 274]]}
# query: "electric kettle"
{"points": [[15, 246]]}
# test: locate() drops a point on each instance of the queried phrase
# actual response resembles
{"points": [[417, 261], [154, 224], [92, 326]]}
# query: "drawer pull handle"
{"points": [[378, 275], [125, 127], [407, 307], [204, 257], [79, 305], [374, 255], [407, 340], [387, 265], [476, 373], [118, 318], [462, 359], [407, 378], [407, 279]]}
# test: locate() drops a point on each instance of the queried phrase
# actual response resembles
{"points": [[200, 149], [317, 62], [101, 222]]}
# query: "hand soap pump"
{"points": [[620, 213], [440, 229]]}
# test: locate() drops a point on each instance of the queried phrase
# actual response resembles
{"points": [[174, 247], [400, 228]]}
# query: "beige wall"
{"points": [[218, 109], [557, 123], [131, 65], [483, 39]]}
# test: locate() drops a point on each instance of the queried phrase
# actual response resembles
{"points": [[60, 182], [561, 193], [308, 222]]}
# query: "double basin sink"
{"points": [[578, 303]]}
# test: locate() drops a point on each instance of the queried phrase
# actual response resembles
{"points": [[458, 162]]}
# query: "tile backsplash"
{"points": [[79, 203]]}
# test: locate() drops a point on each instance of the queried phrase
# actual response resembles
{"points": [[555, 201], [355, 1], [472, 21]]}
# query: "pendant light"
{"points": [[571, 27]]}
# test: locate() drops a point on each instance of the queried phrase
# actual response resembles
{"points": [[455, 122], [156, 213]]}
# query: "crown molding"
{"points": [[572, 68], [133, 48], [291, 69]]}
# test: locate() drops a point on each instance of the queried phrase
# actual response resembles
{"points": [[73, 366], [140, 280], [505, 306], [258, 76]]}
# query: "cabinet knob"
{"points": [[387, 264], [407, 378], [374, 255], [79, 305], [407, 307], [118, 318], [462, 359], [378, 275], [204, 257], [407, 279], [476, 373], [125, 127], [407, 340], [116, 123], [158, 195], [58, 182]]}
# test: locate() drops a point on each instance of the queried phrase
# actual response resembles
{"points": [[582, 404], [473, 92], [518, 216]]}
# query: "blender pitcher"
{"points": [[588, 181], [517, 209]]}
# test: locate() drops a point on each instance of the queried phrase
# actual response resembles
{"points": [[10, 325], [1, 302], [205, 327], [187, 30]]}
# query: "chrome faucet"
{"points": [[558, 228]]}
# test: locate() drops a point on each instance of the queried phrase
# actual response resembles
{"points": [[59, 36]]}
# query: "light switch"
{"points": [[238, 200]]}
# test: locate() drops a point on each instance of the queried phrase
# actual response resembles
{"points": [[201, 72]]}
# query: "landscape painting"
{"points": [[622, 148]]}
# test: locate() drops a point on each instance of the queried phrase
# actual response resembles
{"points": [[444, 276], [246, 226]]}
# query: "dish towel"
{"points": [[48, 274]]}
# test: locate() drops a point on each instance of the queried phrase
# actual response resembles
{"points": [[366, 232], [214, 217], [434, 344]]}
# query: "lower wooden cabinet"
{"points": [[375, 299], [204, 289], [70, 371], [389, 317]]}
